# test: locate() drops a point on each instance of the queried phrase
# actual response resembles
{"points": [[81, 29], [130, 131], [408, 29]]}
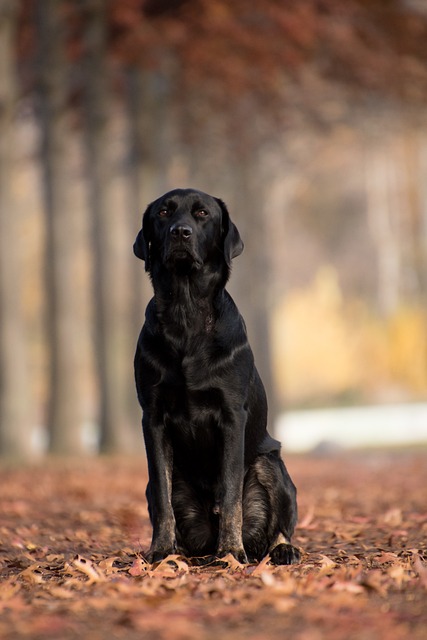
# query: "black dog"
{"points": [[217, 483]]}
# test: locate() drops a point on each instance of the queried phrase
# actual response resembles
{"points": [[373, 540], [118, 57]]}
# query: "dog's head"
{"points": [[186, 229]]}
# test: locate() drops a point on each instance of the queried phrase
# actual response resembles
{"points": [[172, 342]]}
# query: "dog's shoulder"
{"points": [[228, 312], [150, 312], [230, 327], [151, 322]]}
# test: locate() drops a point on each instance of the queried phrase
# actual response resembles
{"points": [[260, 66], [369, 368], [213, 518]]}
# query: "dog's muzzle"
{"points": [[180, 231], [180, 248]]}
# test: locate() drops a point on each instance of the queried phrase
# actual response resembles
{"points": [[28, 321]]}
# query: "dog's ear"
{"points": [[141, 246], [233, 244]]}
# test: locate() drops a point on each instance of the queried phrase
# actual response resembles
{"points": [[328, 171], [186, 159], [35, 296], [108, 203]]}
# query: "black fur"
{"points": [[217, 483]]}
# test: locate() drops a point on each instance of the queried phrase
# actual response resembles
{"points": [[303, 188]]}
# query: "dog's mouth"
{"points": [[182, 257]]}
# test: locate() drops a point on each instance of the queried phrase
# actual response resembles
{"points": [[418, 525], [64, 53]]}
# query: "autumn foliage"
{"points": [[72, 541], [369, 356]]}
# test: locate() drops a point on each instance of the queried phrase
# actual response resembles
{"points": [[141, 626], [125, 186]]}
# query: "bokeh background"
{"points": [[308, 118]]}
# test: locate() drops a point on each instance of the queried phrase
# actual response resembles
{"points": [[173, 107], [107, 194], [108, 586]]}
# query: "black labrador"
{"points": [[217, 484]]}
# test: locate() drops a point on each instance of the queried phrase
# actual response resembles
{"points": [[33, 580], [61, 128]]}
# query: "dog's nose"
{"points": [[179, 230]]}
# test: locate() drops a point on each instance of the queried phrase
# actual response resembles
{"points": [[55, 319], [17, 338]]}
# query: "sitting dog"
{"points": [[217, 484]]}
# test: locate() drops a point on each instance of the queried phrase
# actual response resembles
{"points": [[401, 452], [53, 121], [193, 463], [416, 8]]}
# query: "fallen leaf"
{"points": [[308, 518], [386, 557], [374, 581], [138, 568], [86, 567], [350, 587], [260, 568], [393, 517], [32, 574], [421, 568], [268, 578]]}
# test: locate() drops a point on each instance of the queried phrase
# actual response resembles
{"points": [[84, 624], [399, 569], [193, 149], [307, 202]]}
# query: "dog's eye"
{"points": [[163, 213], [202, 213]]}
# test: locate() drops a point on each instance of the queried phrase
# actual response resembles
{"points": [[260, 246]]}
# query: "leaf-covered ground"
{"points": [[72, 537]]}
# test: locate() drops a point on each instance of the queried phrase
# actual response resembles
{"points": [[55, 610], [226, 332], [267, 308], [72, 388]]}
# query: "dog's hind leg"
{"points": [[283, 552], [269, 511], [256, 508]]}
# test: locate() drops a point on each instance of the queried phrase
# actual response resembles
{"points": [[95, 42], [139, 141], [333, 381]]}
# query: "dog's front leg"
{"points": [[160, 464], [230, 528]]}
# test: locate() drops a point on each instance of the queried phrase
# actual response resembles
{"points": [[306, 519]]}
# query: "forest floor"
{"points": [[73, 534]]}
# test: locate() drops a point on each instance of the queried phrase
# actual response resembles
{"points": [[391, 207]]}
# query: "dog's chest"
{"points": [[195, 433], [192, 402], [192, 390]]}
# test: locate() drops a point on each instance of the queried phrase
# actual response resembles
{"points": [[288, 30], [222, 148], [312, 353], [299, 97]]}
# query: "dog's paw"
{"points": [[285, 554], [159, 554], [239, 554]]}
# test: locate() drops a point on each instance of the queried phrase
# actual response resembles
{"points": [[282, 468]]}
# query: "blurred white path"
{"points": [[389, 425]]}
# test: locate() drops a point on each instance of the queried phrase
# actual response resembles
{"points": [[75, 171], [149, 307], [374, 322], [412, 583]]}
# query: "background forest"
{"points": [[308, 118]]}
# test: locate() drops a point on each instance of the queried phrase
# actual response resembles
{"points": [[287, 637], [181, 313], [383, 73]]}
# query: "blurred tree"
{"points": [[149, 125], [147, 103], [211, 87], [117, 432], [15, 417], [62, 239], [394, 183], [414, 170], [147, 107], [385, 222], [244, 71], [254, 299]]}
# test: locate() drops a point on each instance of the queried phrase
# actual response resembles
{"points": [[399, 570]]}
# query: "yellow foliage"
{"points": [[312, 355], [327, 347], [408, 347]]}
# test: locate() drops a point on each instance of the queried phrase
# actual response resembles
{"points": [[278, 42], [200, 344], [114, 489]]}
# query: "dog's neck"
{"points": [[188, 301]]}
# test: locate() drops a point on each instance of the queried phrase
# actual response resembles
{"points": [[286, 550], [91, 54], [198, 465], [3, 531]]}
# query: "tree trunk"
{"points": [[65, 411], [423, 210], [383, 219], [149, 162], [147, 179], [253, 286], [112, 341], [414, 209], [15, 421], [149, 139], [145, 184]]}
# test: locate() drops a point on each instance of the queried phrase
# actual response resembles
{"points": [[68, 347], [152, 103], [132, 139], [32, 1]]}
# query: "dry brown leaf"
{"points": [[260, 568], [106, 565], [232, 563], [308, 518], [32, 574], [374, 581], [325, 565], [60, 593], [139, 567], [284, 605], [57, 558], [399, 575], [176, 562], [421, 568], [393, 517], [86, 567], [350, 587], [357, 573], [168, 567], [8, 589], [268, 578], [386, 557]]}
